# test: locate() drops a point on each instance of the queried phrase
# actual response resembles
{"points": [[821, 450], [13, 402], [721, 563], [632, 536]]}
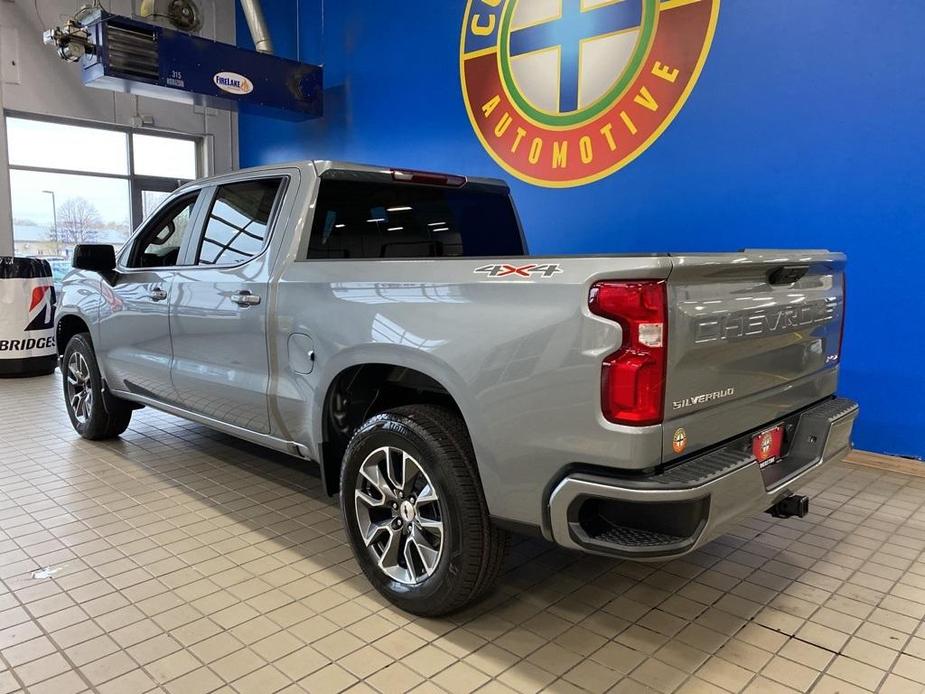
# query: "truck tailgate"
{"points": [[752, 336]]}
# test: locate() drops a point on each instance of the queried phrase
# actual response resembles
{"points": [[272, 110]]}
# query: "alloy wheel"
{"points": [[398, 515], [79, 388]]}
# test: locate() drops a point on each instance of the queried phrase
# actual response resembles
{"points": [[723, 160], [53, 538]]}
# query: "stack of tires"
{"points": [[27, 317]]}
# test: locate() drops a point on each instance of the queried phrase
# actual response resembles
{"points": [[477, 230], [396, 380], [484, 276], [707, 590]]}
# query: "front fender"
{"points": [[80, 297]]}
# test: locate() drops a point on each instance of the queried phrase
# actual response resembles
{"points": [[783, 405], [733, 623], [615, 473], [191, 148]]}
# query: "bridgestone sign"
{"points": [[27, 317]]}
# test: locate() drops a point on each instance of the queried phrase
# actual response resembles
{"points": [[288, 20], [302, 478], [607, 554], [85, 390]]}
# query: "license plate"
{"points": [[766, 446]]}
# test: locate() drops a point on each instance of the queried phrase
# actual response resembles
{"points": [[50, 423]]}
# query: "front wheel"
{"points": [[415, 513], [94, 413]]}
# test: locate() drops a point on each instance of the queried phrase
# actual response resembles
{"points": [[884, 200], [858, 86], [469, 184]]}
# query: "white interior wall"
{"points": [[35, 80]]}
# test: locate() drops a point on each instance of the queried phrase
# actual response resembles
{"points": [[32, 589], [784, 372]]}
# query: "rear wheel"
{"points": [[415, 513], [95, 414]]}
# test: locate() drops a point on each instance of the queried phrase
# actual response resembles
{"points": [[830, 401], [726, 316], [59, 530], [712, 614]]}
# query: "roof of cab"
{"points": [[318, 167]]}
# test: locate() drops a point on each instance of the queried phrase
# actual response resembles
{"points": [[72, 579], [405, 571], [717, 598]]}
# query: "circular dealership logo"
{"points": [[679, 440], [565, 92]]}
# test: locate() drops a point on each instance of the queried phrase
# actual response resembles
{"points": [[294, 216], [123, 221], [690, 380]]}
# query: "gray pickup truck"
{"points": [[389, 326]]}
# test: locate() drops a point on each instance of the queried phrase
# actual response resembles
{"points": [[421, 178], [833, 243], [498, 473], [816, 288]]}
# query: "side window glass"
{"points": [[239, 222], [160, 243]]}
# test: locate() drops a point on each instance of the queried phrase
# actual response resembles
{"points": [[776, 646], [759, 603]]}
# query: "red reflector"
{"points": [[428, 178], [767, 445], [633, 377]]}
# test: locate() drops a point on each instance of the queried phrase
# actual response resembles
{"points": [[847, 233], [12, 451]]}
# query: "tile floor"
{"points": [[181, 560]]}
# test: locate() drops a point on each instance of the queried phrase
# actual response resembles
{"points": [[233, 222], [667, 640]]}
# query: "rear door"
{"points": [[752, 337], [218, 306]]}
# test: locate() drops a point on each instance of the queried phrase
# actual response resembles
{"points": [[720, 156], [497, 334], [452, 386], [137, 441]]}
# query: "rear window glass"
{"points": [[239, 221], [362, 219]]}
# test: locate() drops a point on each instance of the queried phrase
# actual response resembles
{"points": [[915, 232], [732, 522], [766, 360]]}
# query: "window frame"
{"points": [[209, 195]]}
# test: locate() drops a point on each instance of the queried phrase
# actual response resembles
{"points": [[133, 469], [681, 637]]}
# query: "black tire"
{"points": [[474, 549], [106, 416]]}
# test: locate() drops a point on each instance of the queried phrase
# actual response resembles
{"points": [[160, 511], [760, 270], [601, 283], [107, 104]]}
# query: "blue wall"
{"points": [[807, 128]]}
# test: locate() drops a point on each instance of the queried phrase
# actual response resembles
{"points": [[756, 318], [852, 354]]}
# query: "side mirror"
{"points": [[95, 257]]}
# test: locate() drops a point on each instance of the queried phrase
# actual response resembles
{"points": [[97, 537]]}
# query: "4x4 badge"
{"points": [[528, 271]]}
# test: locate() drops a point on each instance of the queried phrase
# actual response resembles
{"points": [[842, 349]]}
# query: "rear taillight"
{"points": [[633, 377]]}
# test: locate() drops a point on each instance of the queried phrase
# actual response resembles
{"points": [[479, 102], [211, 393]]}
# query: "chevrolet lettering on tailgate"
{"points": [[764, 321]]}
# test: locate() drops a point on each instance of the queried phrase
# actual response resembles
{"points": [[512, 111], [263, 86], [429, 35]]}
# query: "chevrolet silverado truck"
{"points": [[389, 326]]}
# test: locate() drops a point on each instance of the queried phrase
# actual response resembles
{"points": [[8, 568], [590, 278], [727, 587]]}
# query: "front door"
{"points": [[218, 308], [134, 316]]}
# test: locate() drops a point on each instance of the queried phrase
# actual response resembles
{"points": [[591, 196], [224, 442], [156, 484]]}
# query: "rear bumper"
{"points": [[672, 513]]}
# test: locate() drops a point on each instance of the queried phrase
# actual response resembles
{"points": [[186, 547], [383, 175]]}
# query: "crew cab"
{"points": [[390, 327]]}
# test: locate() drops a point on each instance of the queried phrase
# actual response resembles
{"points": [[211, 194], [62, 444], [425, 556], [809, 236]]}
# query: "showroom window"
{"points": [[76, 183]]}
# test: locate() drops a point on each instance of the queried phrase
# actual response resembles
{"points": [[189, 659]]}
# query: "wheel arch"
{"points": [[363, 389], [67, 326]]}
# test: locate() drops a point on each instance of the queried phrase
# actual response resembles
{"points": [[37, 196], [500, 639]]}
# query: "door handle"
{"points": [[157, 294], [245, 298]]}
